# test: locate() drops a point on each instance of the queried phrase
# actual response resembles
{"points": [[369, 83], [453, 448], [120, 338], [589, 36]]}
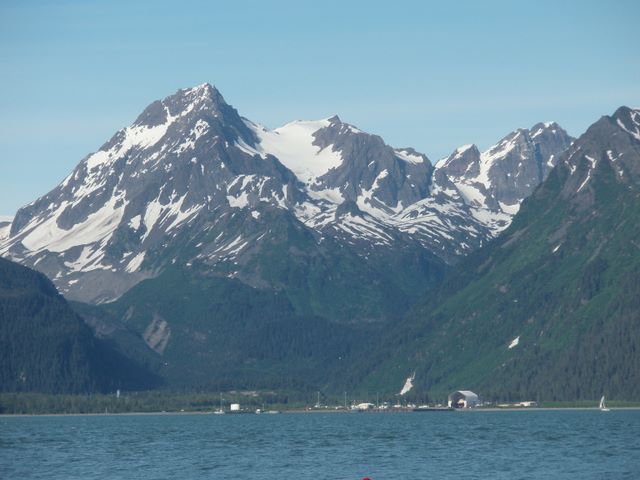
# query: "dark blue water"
{"points": [[496, 445]]}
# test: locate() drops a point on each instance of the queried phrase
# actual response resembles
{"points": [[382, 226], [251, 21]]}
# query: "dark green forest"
{"points": [[224, 335], [46, 347]]}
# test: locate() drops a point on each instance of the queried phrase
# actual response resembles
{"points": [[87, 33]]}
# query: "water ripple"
{"points": [[495, 445]]}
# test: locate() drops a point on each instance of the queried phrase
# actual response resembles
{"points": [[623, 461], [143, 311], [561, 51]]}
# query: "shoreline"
{"points": [[299, 411]]}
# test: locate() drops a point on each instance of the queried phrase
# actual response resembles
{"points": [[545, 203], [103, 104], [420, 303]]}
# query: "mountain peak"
{"points": [[205, 91], [624, 111], [200, 98], [460, 159], [548, 128], [609, 145], [629, 120], [547, 125], [205, 87], [501, 176], [464, 148]]}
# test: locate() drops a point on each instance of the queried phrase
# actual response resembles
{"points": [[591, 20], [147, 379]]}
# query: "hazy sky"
{"points": [[430, 75]]}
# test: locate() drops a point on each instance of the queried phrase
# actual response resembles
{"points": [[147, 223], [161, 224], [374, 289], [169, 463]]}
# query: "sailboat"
{"points": [[603, 407], [220, 411]]}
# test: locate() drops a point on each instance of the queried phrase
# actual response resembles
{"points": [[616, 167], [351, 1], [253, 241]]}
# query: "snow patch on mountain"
{"points": [[134, 222], [294, 145], [97, 226], [635, 119], [592, 165], [201, 128], [364, 200], [408, 155], [509, 209], [363, 229], [5, 226], [495, 181], [135, 262], [89, 259], [408, 384], [136, 136], [333, 195], [5, 230]]}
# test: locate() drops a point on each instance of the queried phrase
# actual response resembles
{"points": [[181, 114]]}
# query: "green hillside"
{"points": [[564, 280], [212, 332], [287, 318], [46, 347]]}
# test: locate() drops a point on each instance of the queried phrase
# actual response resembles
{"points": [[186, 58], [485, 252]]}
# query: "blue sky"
{"points": [[431, 75]]}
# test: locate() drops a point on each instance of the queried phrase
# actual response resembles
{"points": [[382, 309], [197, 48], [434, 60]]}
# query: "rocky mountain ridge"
{"points": [[193, 182]]}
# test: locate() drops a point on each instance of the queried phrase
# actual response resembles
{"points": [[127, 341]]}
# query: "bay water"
{"points": [[535, 444]]}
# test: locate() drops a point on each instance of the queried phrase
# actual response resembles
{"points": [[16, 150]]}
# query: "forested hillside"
{"points": [[46, 347], [551, 309], [215, 333]]}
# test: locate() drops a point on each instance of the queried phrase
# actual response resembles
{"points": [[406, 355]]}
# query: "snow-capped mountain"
{"points": [[192, 182], [5, 226], [609, 144], [502, 176], [556, 291]]}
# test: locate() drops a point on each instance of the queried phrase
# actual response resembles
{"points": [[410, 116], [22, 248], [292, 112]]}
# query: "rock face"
{"points": [[502, 176], [192, 183]]}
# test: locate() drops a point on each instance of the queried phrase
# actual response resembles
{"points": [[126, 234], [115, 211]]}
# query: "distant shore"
{"points": [[315, 411]]}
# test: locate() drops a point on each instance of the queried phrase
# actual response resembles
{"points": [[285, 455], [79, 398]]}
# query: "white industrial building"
{"points": [[463, 399], [361, 407]]}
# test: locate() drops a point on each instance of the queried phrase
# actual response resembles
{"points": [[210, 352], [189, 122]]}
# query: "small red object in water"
{"points": [[366, 478]]}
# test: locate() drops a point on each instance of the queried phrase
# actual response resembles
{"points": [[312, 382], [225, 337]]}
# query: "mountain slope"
{"points": [[548, 310], [45, 346], [216, 333], [315, 233], [191, 181]]}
